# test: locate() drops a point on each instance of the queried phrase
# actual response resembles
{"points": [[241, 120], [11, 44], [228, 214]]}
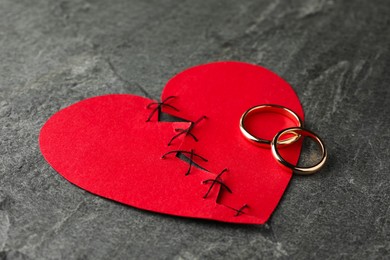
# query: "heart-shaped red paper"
{"points": [[105, 146]]}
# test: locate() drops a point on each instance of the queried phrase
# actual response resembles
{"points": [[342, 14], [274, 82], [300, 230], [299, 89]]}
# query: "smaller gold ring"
{"points": [[296, 169], [270, 108]]}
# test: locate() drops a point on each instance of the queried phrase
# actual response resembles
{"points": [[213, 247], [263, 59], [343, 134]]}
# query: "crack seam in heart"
{"points": [[188, 132]]}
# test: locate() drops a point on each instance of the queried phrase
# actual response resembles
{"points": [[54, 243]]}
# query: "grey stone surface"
{"points": [[335, 53]]}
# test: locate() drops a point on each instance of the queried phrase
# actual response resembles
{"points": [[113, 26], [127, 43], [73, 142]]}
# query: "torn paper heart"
{"points": [[106, 146]]}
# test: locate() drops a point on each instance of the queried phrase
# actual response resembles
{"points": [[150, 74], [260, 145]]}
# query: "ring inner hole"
{"points": [[311, 152], [266, 124]]}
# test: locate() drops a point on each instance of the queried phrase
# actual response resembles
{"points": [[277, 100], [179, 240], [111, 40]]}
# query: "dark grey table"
{"points": [[334, 53]]}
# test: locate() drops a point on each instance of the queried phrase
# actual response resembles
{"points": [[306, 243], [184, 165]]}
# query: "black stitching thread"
{"points": [[217, 180], [191, 153], [240, 210], [187, 131], [159, 106]]}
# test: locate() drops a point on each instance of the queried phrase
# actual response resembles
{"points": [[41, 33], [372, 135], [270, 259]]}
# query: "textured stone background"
{"points": [[336, 55]]}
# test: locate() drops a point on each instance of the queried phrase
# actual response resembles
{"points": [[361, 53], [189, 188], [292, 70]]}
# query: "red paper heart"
{"points": [[104, 145]]}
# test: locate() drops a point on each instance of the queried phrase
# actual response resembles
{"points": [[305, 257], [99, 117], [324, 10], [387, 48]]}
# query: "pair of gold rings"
{"points": [[295, 134]]}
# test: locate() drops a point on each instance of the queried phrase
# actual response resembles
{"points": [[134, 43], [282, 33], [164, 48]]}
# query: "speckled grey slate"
{"points": [[336, 55]]}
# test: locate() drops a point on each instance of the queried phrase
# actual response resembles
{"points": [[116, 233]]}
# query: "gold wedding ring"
{"points": [[274, 109], [296, 169]]}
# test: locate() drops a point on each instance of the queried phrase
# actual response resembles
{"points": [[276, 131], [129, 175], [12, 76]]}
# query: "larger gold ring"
{"points": [[296, 169], [275, 109]]}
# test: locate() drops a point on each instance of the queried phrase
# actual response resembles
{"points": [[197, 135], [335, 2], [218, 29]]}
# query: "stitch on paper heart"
{"points": [[218, 180], [240, 210], [187, 131], [191, 159], [159, 106]]}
